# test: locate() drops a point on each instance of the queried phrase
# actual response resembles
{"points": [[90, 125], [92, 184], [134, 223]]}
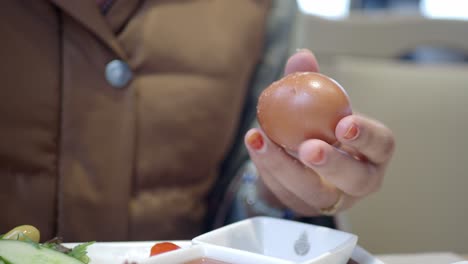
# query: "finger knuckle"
{"points": [[388, 144], [366, 184], [360, 187]]}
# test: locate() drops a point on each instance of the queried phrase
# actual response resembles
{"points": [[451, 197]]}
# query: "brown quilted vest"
{"points": [[86, 160]]}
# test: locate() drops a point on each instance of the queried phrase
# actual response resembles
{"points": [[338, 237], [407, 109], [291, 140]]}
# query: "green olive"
{"points": [[20, 232]]}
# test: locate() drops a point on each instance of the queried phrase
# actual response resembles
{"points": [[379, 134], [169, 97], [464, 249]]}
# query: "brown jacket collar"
{"points": [[87, 12]]}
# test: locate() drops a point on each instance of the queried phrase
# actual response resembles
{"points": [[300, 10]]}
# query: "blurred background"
{"points": [[403, 62]]}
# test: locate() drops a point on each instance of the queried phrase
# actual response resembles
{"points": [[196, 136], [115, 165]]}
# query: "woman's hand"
{"points": [[324, 179]]}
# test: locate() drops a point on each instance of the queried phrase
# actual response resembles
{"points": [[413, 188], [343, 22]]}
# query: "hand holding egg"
{"points": [[312, 152]]}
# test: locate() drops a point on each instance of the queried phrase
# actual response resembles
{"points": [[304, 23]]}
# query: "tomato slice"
{"points": [[162, 247]]}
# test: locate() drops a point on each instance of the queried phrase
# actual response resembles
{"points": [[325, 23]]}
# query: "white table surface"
{"points": [[422, 258]]}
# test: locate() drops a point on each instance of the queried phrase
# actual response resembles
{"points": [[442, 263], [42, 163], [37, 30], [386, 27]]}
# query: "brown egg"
{"points": [[301, 106]]}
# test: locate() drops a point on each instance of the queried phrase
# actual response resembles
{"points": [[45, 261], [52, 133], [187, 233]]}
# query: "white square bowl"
{"points": [[285, 240]]}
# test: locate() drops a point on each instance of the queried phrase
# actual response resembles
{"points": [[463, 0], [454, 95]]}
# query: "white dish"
{"points": [[256, 240], [119, 252], [290, 241]]}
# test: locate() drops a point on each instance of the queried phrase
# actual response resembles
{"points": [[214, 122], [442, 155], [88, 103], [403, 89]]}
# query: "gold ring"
{"points": [[331, 210]]}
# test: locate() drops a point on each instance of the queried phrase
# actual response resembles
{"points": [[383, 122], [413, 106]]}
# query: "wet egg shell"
{"points": [[301, 106]]}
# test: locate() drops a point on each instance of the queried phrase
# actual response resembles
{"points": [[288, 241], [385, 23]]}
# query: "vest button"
{"points": [[118, 73]]}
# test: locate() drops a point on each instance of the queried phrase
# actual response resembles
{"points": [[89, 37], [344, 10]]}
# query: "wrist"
{"points": [[255, 199]]}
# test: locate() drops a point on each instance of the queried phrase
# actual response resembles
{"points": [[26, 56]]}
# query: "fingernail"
{"points": [[301, 50], [317, 157], [255, 141], [352, 132]]}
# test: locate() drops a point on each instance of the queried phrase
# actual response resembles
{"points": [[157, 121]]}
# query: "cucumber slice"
{"points": [[19, 252]]}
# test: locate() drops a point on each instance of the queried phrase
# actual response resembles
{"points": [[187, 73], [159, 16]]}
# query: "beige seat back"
{"points": [[423, 205], [376, 35]]}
